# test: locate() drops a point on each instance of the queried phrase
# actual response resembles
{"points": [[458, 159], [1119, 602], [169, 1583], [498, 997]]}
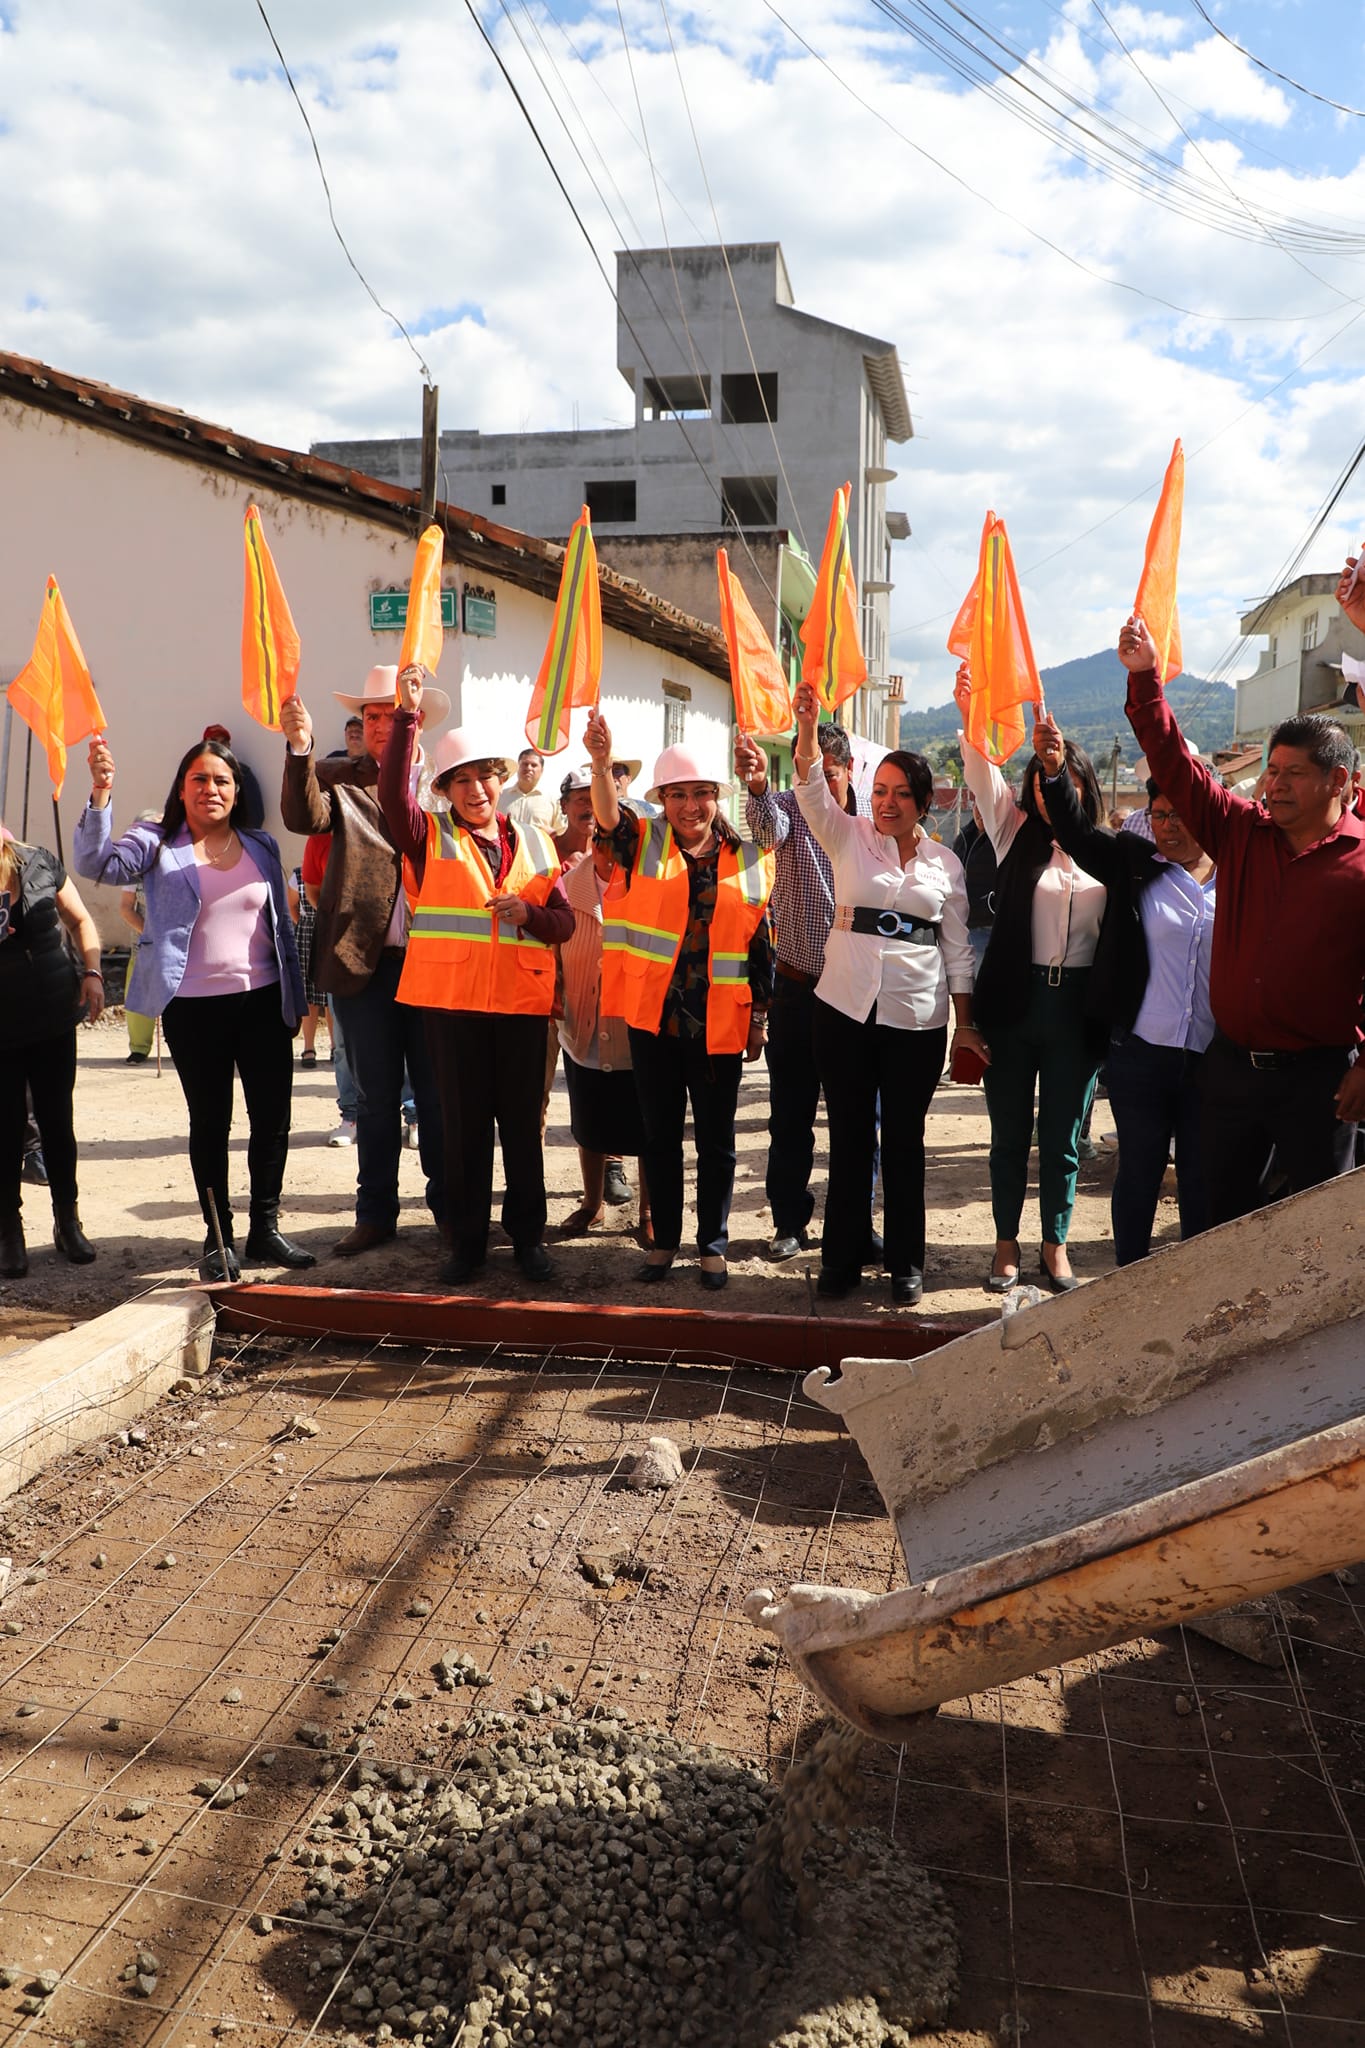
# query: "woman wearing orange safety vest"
{"points": [[687, 961], [480, 962]]}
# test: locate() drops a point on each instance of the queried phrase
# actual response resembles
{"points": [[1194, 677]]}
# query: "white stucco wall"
{"points": [[148, 552]]}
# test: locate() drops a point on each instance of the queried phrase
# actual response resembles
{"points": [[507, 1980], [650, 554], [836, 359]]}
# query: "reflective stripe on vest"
{"points": [[459, 956], [642, 933]]}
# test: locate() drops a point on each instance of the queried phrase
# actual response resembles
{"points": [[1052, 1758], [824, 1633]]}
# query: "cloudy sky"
{"points": [[1184, 255]]}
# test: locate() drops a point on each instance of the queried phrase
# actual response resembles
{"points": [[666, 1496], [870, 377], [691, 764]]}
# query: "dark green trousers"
{"points": [[1049, 1049]]}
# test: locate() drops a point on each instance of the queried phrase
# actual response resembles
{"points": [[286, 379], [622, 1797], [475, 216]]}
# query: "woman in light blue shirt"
{"points": [[1151, 981]]}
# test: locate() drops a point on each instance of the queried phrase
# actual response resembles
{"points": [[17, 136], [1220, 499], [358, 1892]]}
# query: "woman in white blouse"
{"points": [[1031, 1003], [896, 960]]}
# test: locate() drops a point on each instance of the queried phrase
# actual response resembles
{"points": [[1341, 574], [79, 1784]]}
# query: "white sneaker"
{"points": [[344, 1134], [410, 1136]]}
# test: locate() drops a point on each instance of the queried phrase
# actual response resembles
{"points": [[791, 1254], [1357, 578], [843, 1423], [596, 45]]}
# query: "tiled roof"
{"points": [[499, 551]]}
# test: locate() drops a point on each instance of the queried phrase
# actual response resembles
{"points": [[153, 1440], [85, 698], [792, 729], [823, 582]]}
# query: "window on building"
{"points": [[1274, 650], [1309, 636], [612, 502], [676, 697], [748, 500], [499, 494], [746, 400], [677, 398], [675, 721]]}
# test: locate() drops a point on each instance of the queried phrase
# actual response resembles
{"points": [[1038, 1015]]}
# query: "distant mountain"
{"points": [[1086, 699]]}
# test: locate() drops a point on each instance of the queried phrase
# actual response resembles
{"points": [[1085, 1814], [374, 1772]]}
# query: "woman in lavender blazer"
{"points": [[217, 963]]}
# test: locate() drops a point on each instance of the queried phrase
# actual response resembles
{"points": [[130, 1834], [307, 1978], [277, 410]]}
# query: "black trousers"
{"points": [[793, 1099], [210, 1038], [48, 1067], [857, 1062], [1247, 1112], [490, 1070], [670, 1072]]}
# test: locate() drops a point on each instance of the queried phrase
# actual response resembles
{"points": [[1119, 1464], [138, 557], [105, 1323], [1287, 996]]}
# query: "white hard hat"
{"points": [[460, 746], [680, 764]]}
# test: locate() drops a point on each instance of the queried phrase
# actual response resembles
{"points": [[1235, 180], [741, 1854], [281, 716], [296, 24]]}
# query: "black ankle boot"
{"points": [[211, 1267], [266, 1244], [13, 1251], [70, 1240]]}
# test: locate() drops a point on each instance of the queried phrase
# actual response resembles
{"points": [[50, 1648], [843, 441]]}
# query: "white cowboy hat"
{"points": [[381, 687], [680, 764], [627, 762], [458, 747]]}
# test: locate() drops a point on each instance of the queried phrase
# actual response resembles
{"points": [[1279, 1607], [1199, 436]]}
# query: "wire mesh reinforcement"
{"points": [[1160, 1844]]}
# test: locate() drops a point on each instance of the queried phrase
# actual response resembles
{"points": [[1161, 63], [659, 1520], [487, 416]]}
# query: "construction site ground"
{"points": [[1160, 1845]]}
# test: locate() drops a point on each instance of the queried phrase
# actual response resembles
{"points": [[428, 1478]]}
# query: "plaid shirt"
{"points": [[803, 891]]}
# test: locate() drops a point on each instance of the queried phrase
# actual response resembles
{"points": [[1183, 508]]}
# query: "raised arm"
{"points": [[1205, 806], [768, 820], [1099, 853], [606, 807], [96, 855], [833, 827], [1001, 816], [305, 805], [403, 815]]}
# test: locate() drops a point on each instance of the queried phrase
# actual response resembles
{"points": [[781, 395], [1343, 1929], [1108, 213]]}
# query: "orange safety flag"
{"points": [[991, 633], [763, 699], [270, 645], [572, 667], [833, 663], [1155, 600], [53, 693], [423, 633]]}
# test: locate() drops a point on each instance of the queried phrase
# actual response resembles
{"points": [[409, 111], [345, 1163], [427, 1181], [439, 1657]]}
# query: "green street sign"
{"points": [[389, 611], [480, 616]]}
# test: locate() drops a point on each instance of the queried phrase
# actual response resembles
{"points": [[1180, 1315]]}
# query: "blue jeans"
{"points": [[348, 1101], [1154, 1096], [381, 1035]]}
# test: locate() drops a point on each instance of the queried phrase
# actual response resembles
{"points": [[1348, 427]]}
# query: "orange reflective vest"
{"points": [[642, 934], [461, 957]]}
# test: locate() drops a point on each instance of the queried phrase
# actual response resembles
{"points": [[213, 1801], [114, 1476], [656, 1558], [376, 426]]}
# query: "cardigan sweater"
{"points": [[167, 872]]}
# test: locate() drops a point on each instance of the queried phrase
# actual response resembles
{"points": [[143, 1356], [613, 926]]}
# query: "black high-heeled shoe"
{"points": [[1001, 1283], [654, 1270], [1060, 1283], [714, 1278]]}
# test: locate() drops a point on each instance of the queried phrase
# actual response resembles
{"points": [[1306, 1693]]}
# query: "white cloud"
{"points": [[166, 231]]}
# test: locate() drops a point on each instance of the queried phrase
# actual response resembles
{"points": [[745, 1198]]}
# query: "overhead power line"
{"points": [[1269, 69], [331, 210], [1076, 262]]}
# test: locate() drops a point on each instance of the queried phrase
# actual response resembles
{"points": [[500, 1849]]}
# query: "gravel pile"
{"points": [[578, 1884]]}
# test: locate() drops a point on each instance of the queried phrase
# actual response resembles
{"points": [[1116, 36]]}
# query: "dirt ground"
{"points": [[1158, 1846], [138, 1206]]}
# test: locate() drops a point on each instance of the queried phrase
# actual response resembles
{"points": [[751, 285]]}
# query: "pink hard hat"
{"points": [[680, 764]]}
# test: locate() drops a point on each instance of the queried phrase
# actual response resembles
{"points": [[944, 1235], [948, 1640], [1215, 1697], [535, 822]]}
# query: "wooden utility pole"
{"points": [[430, 395]]}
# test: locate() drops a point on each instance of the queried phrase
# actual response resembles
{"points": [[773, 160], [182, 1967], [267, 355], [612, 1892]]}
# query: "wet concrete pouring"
{"points": [[356, 1665]]}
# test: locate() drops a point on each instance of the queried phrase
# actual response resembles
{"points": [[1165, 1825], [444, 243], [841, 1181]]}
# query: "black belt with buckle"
{"points": [[1268, 1062], [893, 924]]}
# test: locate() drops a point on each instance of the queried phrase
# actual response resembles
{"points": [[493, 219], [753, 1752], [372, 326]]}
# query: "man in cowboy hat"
{"points": [[623, 773], [360, 946]]}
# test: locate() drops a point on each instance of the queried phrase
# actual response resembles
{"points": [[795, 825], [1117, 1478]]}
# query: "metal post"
{"points": [[430, 394], [28, 777]]}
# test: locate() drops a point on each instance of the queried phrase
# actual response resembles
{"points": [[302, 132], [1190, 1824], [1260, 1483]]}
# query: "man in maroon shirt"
{"points": [[1288, 960]]}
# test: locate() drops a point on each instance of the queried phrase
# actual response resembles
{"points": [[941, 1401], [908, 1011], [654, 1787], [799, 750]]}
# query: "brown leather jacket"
{"points": [[364, 869]]}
